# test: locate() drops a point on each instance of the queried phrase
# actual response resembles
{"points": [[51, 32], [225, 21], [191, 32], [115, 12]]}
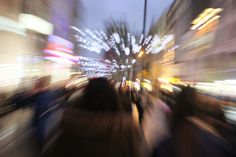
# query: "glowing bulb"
{"points": [[140, 54]]}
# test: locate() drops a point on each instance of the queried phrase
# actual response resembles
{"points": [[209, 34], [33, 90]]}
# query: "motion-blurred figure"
{"points": [[97, 125], [125, 99], [191, 136], [155, 121], [136, 99], [44, 100]]}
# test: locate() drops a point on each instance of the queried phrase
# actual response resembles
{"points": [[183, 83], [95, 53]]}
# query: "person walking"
{"points": [[96, 125]]}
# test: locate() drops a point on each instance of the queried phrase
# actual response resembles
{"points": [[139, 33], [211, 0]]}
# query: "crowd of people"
{"points": [[101, 120]]}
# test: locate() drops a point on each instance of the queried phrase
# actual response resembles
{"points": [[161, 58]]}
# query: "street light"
{"points": [[140, 54], [133, 61]]}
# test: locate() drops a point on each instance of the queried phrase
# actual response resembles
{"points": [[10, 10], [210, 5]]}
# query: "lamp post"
{"points": [[144, 35], [144, 17]]}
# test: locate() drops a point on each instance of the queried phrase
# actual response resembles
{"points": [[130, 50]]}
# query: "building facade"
{"points": [[25, 26], [204, 34]]}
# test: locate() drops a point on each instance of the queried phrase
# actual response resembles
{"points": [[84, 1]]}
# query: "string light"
{"points": [[99, 41]]}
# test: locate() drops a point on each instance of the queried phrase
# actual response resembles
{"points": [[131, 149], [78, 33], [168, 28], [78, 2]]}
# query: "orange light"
{"points": [[140, 54], [205, 16], [208, 22]]}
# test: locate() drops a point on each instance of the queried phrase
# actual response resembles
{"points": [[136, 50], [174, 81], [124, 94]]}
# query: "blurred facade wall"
{"points": [[22, 49], [14, 43], [202, 55], [62, 14]]}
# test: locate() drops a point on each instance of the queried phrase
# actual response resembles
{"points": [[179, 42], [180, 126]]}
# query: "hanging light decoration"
{"points": [[98, 41]]}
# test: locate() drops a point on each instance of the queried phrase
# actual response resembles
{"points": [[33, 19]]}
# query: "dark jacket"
{"points": [[93, 134], [193, 141]]}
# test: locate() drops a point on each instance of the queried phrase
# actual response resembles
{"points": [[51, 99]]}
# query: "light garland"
{"points": [[98, 41]]}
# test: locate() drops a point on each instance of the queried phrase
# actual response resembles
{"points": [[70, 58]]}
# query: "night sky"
{"points": [[93, 14]]}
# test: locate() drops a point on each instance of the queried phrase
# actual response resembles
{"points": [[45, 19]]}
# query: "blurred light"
{"points": [[208, 22], [147, 40], [122, 67], [59, 41], [136, 48], [35, 23], [129, 66], [78, 30], [230, 113], [141, 39], [133, 40], [158, 49], [107, 61], [9, 25], [127, 51], [175, 80], [59, 60], [163, 80], [116, 37], [61, 54], [123, 80], [133, 61], [167, 87], [158, 45], [202, 15], [59, 48], [167, 39], [136, 86], [11, 74], [148, 81], [147, 86], [140, 54], [205, 16], [137, 80]]}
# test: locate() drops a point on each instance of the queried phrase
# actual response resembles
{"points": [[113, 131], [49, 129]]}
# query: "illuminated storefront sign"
{"points": [[10, 25], [60, 50], [207, 16], [36, 24]]}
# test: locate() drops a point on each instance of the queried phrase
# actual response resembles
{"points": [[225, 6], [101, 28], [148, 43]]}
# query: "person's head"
{"points": [[184, 106], [99, 95], [184, 135]]}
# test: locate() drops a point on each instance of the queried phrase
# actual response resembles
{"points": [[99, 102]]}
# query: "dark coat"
{"points": [[92, 134], [193, 142]]}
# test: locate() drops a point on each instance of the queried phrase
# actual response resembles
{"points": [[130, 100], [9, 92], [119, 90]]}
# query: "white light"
{"points": [[176, 46], [141, 39], [61, 54], [11, 74], [133, 61], [156, 40], [36, 24], [128, 36], [137, 80], [147, 40], [78, 30], [148, 81], [129, 66], [159, 49], [107, 61], [122, 67], [116, 37], [60, 60], [127, 51], [7, 24], [230, 81], [133, 40]]}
